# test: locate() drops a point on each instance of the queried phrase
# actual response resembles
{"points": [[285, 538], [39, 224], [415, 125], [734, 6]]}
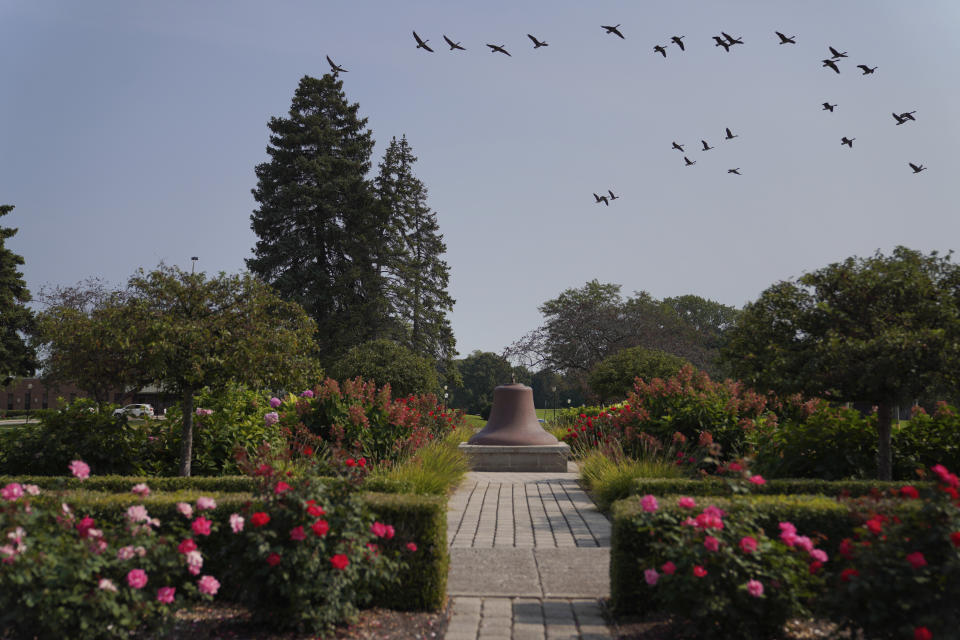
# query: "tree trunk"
{"points": [[186, 447], [884, 449]]}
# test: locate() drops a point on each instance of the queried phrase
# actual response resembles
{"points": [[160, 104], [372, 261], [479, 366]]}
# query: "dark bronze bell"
{"points": [[513, 419]]}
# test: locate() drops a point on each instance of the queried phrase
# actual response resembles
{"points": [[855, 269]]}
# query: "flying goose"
{"points": [[828, 107], [916, 168], [614, 30], [722, 43], [660, 50], [453, 45], [730, 39], [734, 171], [678, 40], [612, 197], [678, 147], [689, 162], [421, 43], [602, 199], [866, 70], [847, 141], [495, 48], [785, 40], [706, 147], [334, 67], [830, 63], [730, 135], [536, 43], [837, 54]]}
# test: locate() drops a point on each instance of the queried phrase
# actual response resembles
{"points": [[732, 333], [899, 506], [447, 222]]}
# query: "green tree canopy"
{"points": [[318, 223], [386, 362], [183, 331], [613, 378], [482, 372], [885, 329], [17, 356]]}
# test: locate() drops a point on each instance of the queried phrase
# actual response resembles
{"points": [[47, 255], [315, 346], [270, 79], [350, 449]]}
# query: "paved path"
{"points": [[529, 559]]}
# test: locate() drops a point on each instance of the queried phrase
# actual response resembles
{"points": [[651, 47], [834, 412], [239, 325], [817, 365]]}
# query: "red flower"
{"points": [[699, 571], [281, 487], [909, 491], [308, 451], [955, 538], [922, 633], [916, 560], [320, 528], [315, 511], [351, 462], [260, 518], [847, 574], [264, 470], [362, 462], [815, 566], [273, 559], [297, 533], [411, 546], [187, 546], [340, 561], [846, 548], [875, 525]]}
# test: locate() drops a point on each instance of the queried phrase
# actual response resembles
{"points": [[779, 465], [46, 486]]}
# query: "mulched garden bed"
{"points": [[658, 627], [227, 622]]}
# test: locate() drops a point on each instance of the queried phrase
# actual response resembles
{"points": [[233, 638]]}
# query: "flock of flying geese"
{"points": [[724, 40]]}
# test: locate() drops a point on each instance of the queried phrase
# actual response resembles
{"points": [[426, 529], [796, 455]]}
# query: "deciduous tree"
{"points": [[884, 329]]}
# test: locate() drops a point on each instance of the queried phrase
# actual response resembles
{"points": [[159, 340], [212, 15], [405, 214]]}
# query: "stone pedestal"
{"points": [[537, 457]]}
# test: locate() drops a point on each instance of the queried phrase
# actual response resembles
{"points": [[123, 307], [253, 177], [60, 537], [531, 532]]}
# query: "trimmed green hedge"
{"points": [[421, 519], [423, 584], [780, 486], [812, 515], [123, 484]]}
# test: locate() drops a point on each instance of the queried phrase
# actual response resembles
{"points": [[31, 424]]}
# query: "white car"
{"points": [[135, 410]]}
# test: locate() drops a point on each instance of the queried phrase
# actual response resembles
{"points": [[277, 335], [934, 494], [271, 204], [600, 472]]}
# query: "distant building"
{"points": [[26, 394]]}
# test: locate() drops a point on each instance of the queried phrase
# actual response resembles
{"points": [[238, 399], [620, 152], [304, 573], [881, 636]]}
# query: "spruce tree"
{"points": [[318, 218], [17, 358], [415, 271]]}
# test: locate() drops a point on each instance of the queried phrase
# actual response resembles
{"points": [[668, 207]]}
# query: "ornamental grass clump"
{"points": [[65, 575], [310, 555], [898, 575], [725, 575]]}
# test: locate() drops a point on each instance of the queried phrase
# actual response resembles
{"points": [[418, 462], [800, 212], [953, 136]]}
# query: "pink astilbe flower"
{"points": [[166, 594], [205, 504], [137, 578], [755, 588], [208, 585], [236, 522], [141, 490], [649, 503], [80, 469]]}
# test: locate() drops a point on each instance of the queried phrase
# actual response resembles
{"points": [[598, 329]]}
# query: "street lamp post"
{"points": [[554, 404], [193, 265]]}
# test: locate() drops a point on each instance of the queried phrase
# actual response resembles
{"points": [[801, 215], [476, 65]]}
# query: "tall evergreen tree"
{"points": [[17, 358], [414, 268], [318, 218]]}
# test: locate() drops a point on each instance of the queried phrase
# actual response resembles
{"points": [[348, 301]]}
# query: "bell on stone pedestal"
{"points": [[513, 419]]}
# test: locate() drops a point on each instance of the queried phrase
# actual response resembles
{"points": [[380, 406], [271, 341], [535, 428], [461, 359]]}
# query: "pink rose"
{"points": [[819, 555], [699, 571], [166, 594], [687, 502], [205, 504], [298, 534], [282, 487], [106, 584], [185, 509], [649, 503], [411, 546], [201, 526], [378, 529], [759, 481], [31, 489], [137, 578], [141, 490], [916, 560], [12, 491], [138, 513], [711, 543], [194, 562], [651, 576], [80, 469], [748, 544], [187, 546], [236, 522], [668, 568], [755, 588], [208, 585]]}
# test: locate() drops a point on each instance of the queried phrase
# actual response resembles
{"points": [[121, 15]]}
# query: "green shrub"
{"points": [[716, 486], [830, 443], [612, 379], [385, 362], [236, 421], [82, 430], [927, 440]]}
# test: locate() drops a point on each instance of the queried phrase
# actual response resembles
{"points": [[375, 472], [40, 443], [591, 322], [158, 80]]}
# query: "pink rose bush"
{"points": [[119, 577]]}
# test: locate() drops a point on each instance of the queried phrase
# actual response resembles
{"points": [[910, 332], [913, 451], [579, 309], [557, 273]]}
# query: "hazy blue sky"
{"points": [[129, 132]]}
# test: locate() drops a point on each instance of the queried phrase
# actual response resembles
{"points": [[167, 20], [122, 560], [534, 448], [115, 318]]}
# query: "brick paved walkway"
{"points": [[529, 559]]}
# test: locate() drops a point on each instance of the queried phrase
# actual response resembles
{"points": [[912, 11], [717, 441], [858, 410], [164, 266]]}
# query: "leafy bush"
{"points": [[356, 419], [927, 440], [830, 443], [386, 362], [226, 419], [613, 377], [82, 430], [906, 557], [65, 576]]}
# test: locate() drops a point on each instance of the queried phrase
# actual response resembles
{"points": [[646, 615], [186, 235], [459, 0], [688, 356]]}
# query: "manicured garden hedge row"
{"points": [[811, 514], [122, 484], [780, 486], [421, 519]]}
